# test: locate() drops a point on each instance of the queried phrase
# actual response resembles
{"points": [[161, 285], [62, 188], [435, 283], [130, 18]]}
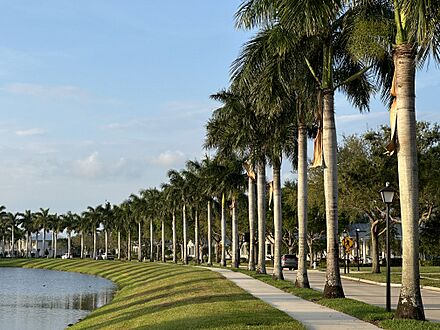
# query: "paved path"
{"points": [[373, 294], [311, 315]]}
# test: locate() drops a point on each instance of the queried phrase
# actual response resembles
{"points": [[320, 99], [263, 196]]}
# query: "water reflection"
{"points": [[33, 297]]}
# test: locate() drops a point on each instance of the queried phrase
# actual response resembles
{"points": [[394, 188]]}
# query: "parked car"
{"points": [[66, 256], [289, 261], [108, 256], [103, 256]]}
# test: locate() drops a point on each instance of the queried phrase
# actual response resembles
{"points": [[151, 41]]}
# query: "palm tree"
{"points": [[12, 220], [71, 223], [43, 218], [416, 36], [138, 207], [171, 203], [178, 181], [93, 216], [327, 27], [56, 225], [27, 219], [118, 223], [236, 127], [106, 214], [127, 217]]}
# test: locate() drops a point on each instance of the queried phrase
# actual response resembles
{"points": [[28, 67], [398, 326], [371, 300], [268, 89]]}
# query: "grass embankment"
{"points": [[165, 296], [369, 313], [429, 275]]}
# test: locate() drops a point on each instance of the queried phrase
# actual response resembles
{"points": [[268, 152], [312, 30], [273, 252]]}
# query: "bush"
{"points": [[434, 261]]}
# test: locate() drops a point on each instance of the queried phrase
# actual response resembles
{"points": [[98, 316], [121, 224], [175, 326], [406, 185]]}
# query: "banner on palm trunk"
{"points": [[249, 170], [317, 149], [270, 193], [391, 147]]}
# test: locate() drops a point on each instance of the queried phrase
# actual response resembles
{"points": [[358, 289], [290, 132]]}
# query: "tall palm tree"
{"points": [[138, 207], [12, 220], [178, 181], [93, 216], [171, 196], [27, 219], [43, 218], [326, 26], [235, 127], [416, 37], [56, 225]]}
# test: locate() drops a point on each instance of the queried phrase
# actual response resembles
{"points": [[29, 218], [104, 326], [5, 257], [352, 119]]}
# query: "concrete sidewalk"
{"points": [[371, 293], [311, 315]]}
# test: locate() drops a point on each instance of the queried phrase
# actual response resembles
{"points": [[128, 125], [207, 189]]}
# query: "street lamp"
{"points": [[387, 194]]}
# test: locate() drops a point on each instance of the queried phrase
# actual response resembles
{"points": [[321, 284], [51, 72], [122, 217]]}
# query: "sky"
{"points": [[99, 99]]}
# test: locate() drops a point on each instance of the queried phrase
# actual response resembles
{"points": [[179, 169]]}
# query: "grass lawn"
{"points": [[165, 296], [429, 275], [358, 309]]}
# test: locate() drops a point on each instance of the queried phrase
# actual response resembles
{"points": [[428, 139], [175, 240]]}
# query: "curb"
{"points": [[393, 285], [355, 279]]}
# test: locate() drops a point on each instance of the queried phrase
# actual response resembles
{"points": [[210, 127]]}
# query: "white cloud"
{"points": [[30, 132], [89, 167], [46, 91], [168, 158], [359, 117]]}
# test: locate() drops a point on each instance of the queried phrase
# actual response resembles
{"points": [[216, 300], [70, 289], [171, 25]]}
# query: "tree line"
{"points": [[281, 93]]}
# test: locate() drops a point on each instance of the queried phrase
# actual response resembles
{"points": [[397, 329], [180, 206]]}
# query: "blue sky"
{"points": [[98, 99]]}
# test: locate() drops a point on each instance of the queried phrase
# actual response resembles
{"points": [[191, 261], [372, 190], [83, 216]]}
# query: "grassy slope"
{"points": [[164, 296], [358, 309]]}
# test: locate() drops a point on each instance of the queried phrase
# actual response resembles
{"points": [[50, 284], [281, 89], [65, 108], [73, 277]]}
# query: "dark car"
{"points": [[289, 261]]}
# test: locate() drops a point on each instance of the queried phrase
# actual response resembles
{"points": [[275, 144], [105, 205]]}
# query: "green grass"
{"points": [[369, 313], [429, 275], [165, 296]]}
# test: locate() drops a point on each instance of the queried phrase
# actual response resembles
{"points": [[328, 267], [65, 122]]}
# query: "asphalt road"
{"points": [[372, 293]]}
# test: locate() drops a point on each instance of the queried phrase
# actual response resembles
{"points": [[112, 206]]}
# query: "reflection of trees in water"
{"points": [[80, 301]]}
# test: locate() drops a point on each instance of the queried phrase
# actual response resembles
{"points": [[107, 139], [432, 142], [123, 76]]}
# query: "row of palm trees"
{"points": [[304, 52], [282, 92]]}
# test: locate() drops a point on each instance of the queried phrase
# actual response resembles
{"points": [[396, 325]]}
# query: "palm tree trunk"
{"points": [[235, 252], [174, 239], [163, 240], [69, 243], [44, 241], [106, 241], [52, 244], [261, 203], [55, 245], [209, 234], [82, 245], [94, 242], [185, 242], [278, 220], [302, 280], [151, 241], [410, 300], [13, 240], [333, 284], [129, 245], [251, 213], [119, 245], [27, 244], [139, 241], [196, 237], [223, 231]]}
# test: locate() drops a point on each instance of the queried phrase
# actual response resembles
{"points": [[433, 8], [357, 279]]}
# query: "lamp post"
{"points": [[387, 194]]}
